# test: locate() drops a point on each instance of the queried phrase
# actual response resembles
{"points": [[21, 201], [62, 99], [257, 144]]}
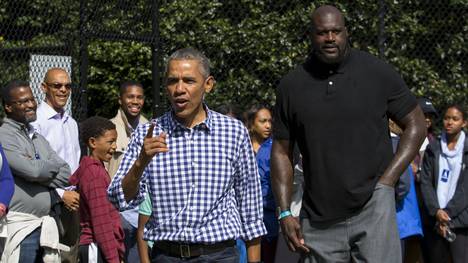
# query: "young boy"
{"points": [[102, 236], [144, 213]]}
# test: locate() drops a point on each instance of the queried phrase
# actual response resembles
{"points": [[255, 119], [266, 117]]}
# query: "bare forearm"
{"points": [[410, 141], [142, 247], [131, 181], [282, 173], [253, 250]]}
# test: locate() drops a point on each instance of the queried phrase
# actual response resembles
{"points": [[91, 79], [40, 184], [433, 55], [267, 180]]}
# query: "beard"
{"points": [[331, 59], [29, 119]]}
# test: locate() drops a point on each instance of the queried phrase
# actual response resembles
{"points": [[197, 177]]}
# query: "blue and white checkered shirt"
{"points": [[206, 189]]}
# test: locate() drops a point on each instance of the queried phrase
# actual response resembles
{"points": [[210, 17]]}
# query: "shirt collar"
{"points": [[314, 65], [123, 117], [206, 124], [50, 112], [28, 129]]}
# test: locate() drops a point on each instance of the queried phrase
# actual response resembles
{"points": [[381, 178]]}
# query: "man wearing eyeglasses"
{"points": [[38, 171], [61, 131]]}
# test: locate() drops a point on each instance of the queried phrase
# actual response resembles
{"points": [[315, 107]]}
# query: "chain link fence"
{"points": [[251, 44]]}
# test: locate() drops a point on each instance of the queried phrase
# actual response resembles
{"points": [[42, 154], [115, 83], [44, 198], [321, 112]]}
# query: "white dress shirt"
{"points": [[61, 131]]}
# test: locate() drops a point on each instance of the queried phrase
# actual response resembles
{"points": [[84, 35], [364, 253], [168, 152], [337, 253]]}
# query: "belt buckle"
{"points": [[184, 250]]}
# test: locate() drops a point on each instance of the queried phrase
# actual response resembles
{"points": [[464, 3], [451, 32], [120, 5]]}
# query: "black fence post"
{"points": [[156, 56], [83, 61], [381, 36]]}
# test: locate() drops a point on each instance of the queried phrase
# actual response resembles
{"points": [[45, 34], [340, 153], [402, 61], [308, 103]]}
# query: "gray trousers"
{"points": [[370, 236]]}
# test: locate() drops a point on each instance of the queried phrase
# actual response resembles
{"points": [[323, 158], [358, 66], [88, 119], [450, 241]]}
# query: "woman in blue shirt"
{"points": [[259, 120]]}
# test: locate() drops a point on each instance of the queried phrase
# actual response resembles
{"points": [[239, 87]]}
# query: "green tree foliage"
{"points": [[251, 43]]}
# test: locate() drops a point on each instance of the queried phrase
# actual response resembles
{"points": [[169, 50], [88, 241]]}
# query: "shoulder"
{"points": [[114, 120], [6, 129], [117, 120], [297, 73], [265, 149], [434, 146], [92, 170], [143, 119], [222, 122], [368, 62], [41, 110]]}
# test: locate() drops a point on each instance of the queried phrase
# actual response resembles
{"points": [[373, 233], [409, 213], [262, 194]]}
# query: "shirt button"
{"points": [[330, 83]]}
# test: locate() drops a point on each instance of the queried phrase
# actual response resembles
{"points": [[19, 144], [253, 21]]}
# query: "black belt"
{"points": [[187, 250]]}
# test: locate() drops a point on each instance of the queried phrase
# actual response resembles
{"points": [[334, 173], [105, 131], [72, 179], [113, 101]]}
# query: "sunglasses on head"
{"points": [[60, 85]]}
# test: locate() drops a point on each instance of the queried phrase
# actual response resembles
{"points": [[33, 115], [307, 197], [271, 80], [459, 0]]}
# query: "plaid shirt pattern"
{"points": [[206, 189]]}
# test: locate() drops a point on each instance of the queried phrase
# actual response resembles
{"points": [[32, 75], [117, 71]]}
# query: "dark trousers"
{"points": [[440, 250], [269, 249], [131, 249], [88, 255], [71, 224], [227, 255]]}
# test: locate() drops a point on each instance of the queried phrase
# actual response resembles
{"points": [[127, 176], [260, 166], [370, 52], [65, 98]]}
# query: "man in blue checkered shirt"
{"points": [[199, 169]]}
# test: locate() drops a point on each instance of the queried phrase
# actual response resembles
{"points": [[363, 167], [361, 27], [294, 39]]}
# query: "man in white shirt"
{"points": [[61, 131]]}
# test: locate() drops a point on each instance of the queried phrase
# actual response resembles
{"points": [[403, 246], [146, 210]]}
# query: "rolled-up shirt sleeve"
{"points": [[248, 191], [115, 191]]}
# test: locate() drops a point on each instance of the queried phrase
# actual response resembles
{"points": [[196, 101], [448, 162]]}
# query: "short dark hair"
{"points": [[128, 83], [94, 127], [190, 53], [12, 85], [229, 109], [460, 108], [251, 113]]}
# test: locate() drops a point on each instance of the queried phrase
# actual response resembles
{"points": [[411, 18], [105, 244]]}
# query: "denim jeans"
{"points": [[30, 250], [131, 249]]}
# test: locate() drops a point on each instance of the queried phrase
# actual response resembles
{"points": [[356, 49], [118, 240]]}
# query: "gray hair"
{"points": [[191, 54]]}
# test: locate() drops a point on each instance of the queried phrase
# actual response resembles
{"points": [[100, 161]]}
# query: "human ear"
{"points": [[209, 84], [92, 143]]}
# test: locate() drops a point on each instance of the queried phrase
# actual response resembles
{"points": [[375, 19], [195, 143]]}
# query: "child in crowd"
{"points": [[102, 236], [144, 214], [444, 186]]}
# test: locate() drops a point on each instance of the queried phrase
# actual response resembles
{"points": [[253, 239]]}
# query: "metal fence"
{"points": [[251, 44]]}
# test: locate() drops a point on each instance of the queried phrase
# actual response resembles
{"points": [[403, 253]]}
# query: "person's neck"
{"points": [[452, 140], [257, 142], [93, 156], [58, 110], [195, 119], [133, 120]]}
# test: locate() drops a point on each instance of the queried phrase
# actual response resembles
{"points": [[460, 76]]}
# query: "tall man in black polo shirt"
{"points": [[336, 107]]}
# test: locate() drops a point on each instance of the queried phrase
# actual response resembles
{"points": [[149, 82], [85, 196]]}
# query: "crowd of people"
{"points": [[344, 168]]}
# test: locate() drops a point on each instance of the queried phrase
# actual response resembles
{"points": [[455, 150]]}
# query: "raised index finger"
{"points": [[149, 134]]}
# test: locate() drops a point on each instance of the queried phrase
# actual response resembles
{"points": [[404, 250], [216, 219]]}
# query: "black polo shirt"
{"points": [[339, 118]]}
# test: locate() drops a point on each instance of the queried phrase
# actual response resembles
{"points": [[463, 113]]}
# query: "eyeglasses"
{"points": [[59, 85], [24, 101]]}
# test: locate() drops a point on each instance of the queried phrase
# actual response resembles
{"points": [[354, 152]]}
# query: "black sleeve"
{"points": [[281, 120], [401, 100], [428, 189]]}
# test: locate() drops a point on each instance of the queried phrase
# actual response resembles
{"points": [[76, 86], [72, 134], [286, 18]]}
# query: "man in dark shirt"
{"points": [[336, 106]]}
